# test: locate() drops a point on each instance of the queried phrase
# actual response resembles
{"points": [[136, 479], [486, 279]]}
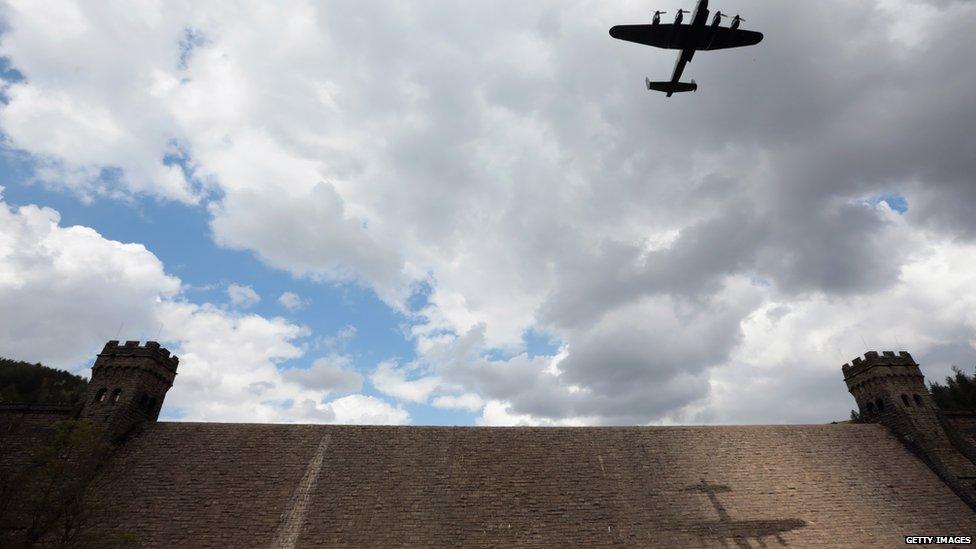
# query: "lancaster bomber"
{"points": [[687, 38]]}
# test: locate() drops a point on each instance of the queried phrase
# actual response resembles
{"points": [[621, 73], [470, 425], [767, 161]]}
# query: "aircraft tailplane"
{"points": [[671, 87]]}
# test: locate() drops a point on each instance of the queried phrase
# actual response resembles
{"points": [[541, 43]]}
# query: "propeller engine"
{"points": [[718, 18], [735, 22], [657, 17], [680, 16]]}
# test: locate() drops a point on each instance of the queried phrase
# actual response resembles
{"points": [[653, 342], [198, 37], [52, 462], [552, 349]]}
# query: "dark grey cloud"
{"points": [[508, 154], [638, 363]]}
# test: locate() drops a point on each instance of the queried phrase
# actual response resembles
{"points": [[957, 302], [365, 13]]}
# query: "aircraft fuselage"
{"points": [[698, 20], [697, 34]]}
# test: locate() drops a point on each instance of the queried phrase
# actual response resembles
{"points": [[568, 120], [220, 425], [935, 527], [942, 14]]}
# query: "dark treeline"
{"points": [[958, 393], [25, 383]]}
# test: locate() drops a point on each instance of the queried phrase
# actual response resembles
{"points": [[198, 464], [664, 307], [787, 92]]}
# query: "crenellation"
{"points": [[872, 359], [169, 484], [890, 390], [151, 349], [136, 378]]}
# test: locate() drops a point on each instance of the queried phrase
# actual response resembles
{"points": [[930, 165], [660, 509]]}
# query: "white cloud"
{"points": [[79, 130], [242, 296], [787, 368], [468, 401], [64, 291], [332, 374], [291, 301], [391, 379], [512, 162], [499, 414], [367, 410], [228, 368]]}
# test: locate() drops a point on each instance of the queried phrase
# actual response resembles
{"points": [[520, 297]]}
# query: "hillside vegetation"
{"points": [[25, 383], [958, 393]]}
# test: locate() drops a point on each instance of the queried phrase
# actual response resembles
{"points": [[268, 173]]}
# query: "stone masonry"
{"points": [[128, 385], [902, 471], [890, 389], [223, 485]]}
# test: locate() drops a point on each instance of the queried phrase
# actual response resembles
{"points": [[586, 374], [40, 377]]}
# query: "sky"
{"points": [[474, 213]]}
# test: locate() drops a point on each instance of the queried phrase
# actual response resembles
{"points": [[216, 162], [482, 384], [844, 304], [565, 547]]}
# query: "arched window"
{"points": [[918, 400], [904, 398], [870, 407], [115, 395], [880, 404], [100, 395]]}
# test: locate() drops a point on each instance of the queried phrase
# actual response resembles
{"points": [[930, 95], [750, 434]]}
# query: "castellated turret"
{"points": [[128, 385], [888, 383], [890, 389]]}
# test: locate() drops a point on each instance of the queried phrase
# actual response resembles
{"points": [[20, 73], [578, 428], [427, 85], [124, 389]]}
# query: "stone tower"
{"points": [[890, 389], [128, 385]]}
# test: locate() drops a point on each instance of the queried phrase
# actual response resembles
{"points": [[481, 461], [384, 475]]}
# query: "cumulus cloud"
{"points": [[67, 290], [500, 414], [468, 401], [785, 370], [507, 159], [391, 379], [641, 361], [291, 301], [367, 410], [242, 296], [333, 374]]}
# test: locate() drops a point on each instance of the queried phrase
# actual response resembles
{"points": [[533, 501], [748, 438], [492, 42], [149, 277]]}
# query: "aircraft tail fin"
{"points": [[671, 87]]}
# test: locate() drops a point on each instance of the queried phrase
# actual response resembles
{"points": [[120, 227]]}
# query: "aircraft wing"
{"points": [[681, 37]]}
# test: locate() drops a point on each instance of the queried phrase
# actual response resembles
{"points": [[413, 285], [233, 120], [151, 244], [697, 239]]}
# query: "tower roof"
{"points": [[872, 359], [133, 349]]}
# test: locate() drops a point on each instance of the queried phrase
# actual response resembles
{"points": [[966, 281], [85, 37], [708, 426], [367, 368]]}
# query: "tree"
{"points": [[50, 497], [25, 383], [958, 393]]}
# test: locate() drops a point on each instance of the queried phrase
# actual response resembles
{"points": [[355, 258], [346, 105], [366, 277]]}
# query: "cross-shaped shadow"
{"points": [[726, 529]]}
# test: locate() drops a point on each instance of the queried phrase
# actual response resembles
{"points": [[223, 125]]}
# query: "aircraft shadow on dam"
{"points": [[732, 532]]}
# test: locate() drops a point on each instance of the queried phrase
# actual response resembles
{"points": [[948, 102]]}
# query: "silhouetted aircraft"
{"points": [[687, 38]]}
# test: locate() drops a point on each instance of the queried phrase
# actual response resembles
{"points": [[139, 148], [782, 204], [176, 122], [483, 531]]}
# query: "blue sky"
{"points": [[179, 236]]}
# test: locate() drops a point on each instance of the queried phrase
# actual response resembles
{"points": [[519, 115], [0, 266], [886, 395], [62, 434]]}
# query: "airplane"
{"points": [[687, 38]]}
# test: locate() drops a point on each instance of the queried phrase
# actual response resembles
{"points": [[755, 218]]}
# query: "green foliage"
{"points": [[67, 466], [959, 392], [50, 498], [24, 383], [855, 417]]}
